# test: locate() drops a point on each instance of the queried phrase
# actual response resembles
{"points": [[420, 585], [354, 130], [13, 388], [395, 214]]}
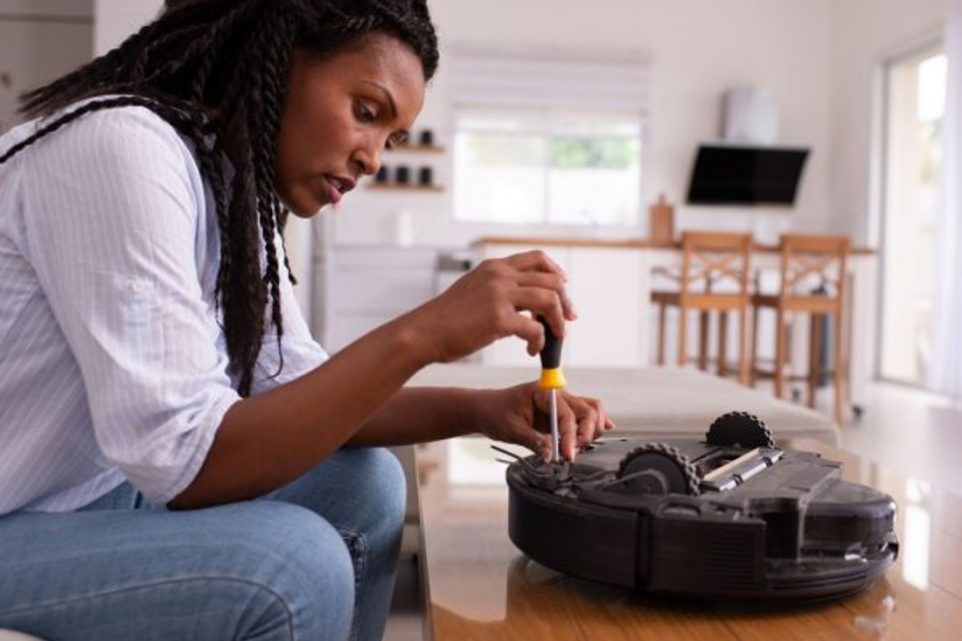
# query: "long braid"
{"points": [[244, 308], [277, 46], [216, 70]]}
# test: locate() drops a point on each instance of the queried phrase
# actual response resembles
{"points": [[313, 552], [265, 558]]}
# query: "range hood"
{"points": [[738, 174]]}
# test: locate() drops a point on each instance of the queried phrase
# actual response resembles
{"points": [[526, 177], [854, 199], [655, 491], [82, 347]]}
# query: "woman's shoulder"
{"points": [[126, 150], [129, 127]]}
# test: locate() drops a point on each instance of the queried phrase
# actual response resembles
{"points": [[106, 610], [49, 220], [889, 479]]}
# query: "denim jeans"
{"points": [[314, 560]]}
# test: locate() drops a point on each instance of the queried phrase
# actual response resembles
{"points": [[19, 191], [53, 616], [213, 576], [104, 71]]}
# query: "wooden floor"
{"points": [[910, 431], [407, 609]]}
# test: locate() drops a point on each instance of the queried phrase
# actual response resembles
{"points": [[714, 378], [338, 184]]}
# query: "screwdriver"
{"points": [[552, 379]]}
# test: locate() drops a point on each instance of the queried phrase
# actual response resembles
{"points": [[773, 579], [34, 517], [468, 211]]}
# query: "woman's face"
{"points": [[340, 113]]}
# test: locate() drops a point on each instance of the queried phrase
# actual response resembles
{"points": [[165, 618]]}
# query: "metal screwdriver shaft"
{"points": [[552, 379], [555, 437]]}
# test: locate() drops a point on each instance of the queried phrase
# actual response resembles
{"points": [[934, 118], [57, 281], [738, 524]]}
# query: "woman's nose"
{"points": [[368, 158]]}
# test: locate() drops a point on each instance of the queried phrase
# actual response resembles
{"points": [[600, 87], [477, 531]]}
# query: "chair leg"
{"points": [[723, 343], [703, 326], [780, 353], [814, 356], [743, 364], [753, 368], [682, 336], [662, 319], [840, 370]]}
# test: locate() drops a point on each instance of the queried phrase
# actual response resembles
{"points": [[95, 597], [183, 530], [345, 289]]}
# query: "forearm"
{"points": [[421, 414], [269, 440]]}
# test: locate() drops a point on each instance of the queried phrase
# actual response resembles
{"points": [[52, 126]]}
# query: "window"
{"points": [[915, 104], [547, 141]]}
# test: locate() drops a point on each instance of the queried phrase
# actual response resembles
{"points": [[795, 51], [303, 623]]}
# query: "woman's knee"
{"points": [[381, 483], [299, 568], [258, 569]]}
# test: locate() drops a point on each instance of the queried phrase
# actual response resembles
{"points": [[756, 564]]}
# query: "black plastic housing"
{"points": [[793, 530]]}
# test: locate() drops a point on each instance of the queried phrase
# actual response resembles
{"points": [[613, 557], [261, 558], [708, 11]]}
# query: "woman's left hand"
{"points": [[520, 415]]}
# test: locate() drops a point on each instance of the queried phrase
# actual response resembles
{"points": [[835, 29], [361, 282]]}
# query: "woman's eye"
{"points": [[365, 114], [395, 141]]}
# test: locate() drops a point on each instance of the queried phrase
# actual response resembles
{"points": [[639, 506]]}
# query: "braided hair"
{"points": [[216, 71]]}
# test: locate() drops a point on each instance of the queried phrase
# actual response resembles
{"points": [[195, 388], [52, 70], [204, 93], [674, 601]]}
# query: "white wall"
{"points": [[698, 48], [114, 20], [867, 33], [819, 57], [39, 42]]}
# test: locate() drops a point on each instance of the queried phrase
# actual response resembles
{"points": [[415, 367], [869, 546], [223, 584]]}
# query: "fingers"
{"points": [[554, 282], [537, 442], [604, 422], [580, 421], [567, 430], [540, 271], [576, 422], [537, 269], [544, 303], [529, 282], [591, 419], [567, 424], [535, 260], [498, 296]]}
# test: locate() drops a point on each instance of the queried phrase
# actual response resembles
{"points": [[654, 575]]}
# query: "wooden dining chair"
{"points": [[812, 282], [714, 276]]}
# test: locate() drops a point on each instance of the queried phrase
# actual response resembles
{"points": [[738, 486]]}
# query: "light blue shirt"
{"points": [[113, 364]]}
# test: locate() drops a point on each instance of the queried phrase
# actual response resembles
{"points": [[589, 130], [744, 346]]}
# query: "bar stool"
{"points": [[714, 276], [812, 271]]}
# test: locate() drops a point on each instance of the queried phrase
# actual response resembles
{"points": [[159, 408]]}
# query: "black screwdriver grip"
{"points": [[551, 352]]}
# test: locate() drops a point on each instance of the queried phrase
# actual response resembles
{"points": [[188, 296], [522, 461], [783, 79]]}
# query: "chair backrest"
{"points": [[813, 266], [713, 261]]}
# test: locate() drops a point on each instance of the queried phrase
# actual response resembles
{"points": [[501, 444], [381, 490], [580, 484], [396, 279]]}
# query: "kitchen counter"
{"points": [[630, 243]]}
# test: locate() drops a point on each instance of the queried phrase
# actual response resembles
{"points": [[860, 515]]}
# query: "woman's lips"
{"points": [[333, 193]]}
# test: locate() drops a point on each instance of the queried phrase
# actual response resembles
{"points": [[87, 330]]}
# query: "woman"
{"points": [[180, 459]]}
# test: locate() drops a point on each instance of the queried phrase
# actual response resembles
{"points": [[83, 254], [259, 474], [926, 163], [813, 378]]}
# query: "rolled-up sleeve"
{"points": [[117, 218]]}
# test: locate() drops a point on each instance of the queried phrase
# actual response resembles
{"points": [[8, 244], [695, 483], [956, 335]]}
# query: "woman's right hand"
{"points": [[490, 302]]}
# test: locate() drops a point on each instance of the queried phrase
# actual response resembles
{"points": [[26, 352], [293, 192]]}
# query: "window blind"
{"points": [[555, 82]]}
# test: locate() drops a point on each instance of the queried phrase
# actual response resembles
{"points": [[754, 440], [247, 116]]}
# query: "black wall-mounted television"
{"points": [[739, 175]]}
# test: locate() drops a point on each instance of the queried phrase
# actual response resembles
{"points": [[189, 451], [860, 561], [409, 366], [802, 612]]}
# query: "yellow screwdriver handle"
{"points": [[551, 375]]}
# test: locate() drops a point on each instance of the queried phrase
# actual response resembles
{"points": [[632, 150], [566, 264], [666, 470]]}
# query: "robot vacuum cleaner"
{"points": [[731, 516]]}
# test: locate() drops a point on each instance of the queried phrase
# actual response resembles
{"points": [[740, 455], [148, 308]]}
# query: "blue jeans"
{"points": [[314, 560]]}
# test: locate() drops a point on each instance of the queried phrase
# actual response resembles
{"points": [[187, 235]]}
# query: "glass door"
{"points": [[915, 104]]}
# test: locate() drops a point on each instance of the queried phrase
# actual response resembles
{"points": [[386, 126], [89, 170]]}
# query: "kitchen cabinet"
{"points": [[606, 285], [362, 287]]}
